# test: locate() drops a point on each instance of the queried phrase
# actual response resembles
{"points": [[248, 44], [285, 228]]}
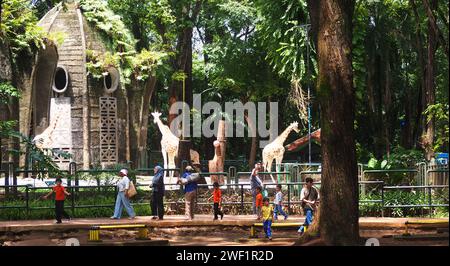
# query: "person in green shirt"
{"points": [[267, 216]]}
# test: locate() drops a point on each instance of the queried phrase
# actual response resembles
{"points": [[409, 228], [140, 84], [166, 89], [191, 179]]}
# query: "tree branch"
{"points": [[435, 27]]}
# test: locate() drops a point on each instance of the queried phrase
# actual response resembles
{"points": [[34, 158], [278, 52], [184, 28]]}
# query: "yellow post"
{"points": [[94, 234], [252, 231]]}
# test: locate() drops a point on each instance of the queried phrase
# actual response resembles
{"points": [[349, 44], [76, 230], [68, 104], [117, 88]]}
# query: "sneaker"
{"points": [[131, 218], [160, 218], [270, 238], [58, 222], [69, 219], [154, 217], [114, 218], [285, 217]]}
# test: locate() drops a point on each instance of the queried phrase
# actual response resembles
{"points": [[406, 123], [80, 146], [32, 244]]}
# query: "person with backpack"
{"points": [[122, 199]]}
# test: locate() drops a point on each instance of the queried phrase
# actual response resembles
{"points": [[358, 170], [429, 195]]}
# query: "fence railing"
{"points": [[241, 189]]}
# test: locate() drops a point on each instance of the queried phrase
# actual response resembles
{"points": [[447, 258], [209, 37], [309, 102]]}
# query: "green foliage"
{"points": [[6, 91], [130, 63], [18, 28], [42, 159], [439, 112], [400, 158], [281, 24], [404, 197]]}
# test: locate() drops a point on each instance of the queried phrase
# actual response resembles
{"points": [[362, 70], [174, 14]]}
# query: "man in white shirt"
{"points": [[122, 197]]}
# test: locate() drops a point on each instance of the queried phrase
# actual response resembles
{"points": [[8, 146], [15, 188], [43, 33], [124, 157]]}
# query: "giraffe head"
{"points": [[294, 126], [156, 116]]}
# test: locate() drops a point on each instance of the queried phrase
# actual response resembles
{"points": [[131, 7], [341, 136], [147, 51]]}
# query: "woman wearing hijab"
{"points": [[158, 193]]}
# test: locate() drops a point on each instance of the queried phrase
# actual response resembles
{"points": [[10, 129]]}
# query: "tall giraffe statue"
{"points": [[275, 149], [169, 144]]}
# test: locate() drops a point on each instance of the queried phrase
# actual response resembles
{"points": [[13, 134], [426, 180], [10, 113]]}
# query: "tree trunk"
{"points": [[430, 90], [254, 146], [183, 63], [419, 122], [387, 100], [338, 224], [139, 97]]}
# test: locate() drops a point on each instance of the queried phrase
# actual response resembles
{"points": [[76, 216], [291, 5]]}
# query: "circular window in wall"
{"points": [[60, 80], [111, 80]]}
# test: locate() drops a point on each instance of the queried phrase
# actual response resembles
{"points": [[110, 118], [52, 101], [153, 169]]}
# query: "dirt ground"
{"points": [[213, 236]]}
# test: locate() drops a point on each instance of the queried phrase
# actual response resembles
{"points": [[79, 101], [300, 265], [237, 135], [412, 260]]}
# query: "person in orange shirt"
{"points": [[217, 199], [258, 202], [60, 196]]}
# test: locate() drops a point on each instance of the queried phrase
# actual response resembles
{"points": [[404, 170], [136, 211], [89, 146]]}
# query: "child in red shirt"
{"points": [[217, 198], [60, 196], [258, 202]]}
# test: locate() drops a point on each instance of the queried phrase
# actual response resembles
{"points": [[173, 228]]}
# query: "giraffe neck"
{"points": [[52, 126], [281, 138], [160, 126], [163, 128]]}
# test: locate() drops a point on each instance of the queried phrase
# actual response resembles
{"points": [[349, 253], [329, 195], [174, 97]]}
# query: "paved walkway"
{"points": [[200, 220]]}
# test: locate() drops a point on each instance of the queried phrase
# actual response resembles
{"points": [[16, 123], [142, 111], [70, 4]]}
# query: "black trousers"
{"points": [[158, 204], [59, 210], [217, 211]]}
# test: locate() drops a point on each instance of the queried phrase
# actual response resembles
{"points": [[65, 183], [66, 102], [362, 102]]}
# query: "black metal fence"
{"points": [[27, 195], [236, 189]]}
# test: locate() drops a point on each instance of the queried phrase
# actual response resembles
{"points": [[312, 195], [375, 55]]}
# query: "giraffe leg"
{"points": [[269, 167], [171, 165], [278, 160], [164, 154]]}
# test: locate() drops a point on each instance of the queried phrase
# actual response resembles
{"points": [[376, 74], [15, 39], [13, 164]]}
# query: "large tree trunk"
{"points": [[338, 222], [430, 95], [419, 122], [183, 63], [139, 97]]}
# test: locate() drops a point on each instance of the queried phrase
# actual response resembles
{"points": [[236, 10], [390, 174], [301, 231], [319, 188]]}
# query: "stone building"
{"points": [[64, 107]]}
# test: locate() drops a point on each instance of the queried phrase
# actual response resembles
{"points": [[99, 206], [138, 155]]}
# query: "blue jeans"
{"points": [[308, 220], [279, 209], [267, 227], [122, 201]]}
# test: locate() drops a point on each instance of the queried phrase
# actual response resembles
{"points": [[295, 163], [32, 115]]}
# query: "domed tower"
{"points": [[68, 109]]}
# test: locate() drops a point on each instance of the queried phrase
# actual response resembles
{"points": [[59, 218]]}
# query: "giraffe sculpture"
{"points": [[44, 140], [169, 146], [275, 149]]}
